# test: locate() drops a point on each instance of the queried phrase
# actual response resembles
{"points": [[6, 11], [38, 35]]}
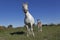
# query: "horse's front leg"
{"points": [[28, 30], [32, 30]]}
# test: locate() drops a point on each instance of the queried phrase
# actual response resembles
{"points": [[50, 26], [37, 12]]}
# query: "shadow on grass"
{"points": [[18, 33]]}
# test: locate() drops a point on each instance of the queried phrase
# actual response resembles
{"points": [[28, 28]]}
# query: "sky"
{"points": [[48, 11]]}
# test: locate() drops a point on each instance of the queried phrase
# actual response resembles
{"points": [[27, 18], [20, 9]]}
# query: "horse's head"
{"points": [[25, 7]]}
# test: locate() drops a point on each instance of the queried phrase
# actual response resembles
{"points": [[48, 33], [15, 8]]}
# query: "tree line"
{"points": [[11, 26]]}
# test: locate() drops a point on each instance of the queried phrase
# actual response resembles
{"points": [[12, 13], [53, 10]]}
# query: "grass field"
{"points": [[49, 33]]}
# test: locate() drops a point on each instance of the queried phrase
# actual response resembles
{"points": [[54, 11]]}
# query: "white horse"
{"points": [[28, 20]]}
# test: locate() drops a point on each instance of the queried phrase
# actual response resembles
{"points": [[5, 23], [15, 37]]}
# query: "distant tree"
{"points": [[58, 24], [44, 25], [2, 27], [10, 26], [52, 24]]}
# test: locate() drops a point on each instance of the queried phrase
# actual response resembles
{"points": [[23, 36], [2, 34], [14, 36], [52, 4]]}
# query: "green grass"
{"points": [[49, 33]]}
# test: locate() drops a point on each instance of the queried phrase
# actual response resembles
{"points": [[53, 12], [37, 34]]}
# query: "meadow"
{"points": [[49, 33]]}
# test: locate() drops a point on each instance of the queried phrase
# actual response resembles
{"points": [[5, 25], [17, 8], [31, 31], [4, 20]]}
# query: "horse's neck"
{"points": [[27, 14]]}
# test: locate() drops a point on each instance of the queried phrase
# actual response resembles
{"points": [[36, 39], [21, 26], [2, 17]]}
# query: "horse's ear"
{"points": [[25, 3]]}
